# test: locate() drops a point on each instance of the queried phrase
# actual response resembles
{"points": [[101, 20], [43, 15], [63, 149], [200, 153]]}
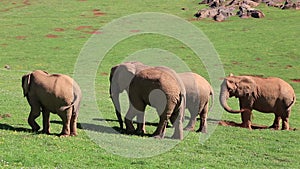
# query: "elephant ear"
{"points": [[112, 71], [25, 84], [247, 87], [231, 83]]}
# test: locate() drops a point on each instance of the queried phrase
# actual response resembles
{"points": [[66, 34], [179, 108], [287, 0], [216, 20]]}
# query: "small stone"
{"points": [[7, 67]]}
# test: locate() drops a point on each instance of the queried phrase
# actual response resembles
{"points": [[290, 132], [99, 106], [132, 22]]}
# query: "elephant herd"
{"points": [[160, 87]]}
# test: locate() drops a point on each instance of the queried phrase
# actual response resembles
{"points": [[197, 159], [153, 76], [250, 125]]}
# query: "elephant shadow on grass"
{"points": [[116, 129], [4, 126], [12, 128], [95, 127], [85, 126], [21, 129]]}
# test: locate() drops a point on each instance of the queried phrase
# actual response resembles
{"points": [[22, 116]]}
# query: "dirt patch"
{"points": [[20, 37], [257, 59], [288, 66], [295, 80], [83, 27], [7, 115], [97, 12], [104, 74], [59, 29], [235, 63], [93, 32], [253, 126], [24, 3], [234, 124], [134, 31], [52, 36], [88, 30]]}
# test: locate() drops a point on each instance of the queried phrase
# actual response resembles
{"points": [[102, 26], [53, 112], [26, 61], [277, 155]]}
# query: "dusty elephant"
{"points": [[54, 93], [161, 88], [198, 93], [268, 95], [120, 78]]}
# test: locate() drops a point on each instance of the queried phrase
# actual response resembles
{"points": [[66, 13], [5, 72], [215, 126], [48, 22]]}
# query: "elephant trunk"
{"points": [[224, 95]]}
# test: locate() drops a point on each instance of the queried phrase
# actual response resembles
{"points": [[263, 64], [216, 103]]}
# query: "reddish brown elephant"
{"points": [[198, 93], [268, 95], [161, 88], [56, 93]]}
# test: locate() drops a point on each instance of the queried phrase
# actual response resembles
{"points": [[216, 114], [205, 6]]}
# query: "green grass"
{"points": [[268, 46]]}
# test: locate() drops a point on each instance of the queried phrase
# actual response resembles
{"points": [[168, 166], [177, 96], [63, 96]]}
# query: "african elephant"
{"points": [[56, 93], [161, 88], [120, 78], [198, 92], [268, 95]]}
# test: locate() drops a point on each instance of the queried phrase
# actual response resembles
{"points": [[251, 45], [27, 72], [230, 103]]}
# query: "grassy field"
{"points": [[50, 36]]}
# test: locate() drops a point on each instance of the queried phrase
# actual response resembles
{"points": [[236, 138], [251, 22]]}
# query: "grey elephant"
{"points": [[198, 93], [120, 78], [268, 95], [56, 93], [161, 88]]}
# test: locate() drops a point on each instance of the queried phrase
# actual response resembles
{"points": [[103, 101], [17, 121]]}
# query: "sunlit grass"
{"points": [[50, 35]]}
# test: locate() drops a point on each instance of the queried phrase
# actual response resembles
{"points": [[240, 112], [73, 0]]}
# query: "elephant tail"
{"points": [[212, 100], [292, 103], [64, 108], [74, 105]]}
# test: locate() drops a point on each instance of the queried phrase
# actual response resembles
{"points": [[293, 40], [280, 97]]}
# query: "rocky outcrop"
{"points": [[220, 10]]}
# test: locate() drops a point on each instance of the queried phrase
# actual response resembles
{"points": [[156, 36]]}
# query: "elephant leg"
{"points": [[34, 113], [178, 126], [246, 119], [140, 123], [66, 119], [203, 120], [276, 122], [46, 121], [285, 120], [132, 112], [193, 119], [161, 128], [73, 124]]}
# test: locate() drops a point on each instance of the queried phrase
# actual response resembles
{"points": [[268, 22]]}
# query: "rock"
{"points": [[7, 67]]}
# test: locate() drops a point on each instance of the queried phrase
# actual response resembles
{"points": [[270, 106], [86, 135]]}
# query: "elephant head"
{"points": [[120, 78], [239, 87]]}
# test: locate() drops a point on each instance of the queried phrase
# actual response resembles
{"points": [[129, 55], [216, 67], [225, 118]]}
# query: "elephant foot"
{"points": [[122, 131], [130, 132], [188, 128], [64, 134], [46, 131], [158, 137], [129, 127], [178, 137], [73, 134], [35, 128], [203, 130], [274, 127], [140, 132], [246, 125]]}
